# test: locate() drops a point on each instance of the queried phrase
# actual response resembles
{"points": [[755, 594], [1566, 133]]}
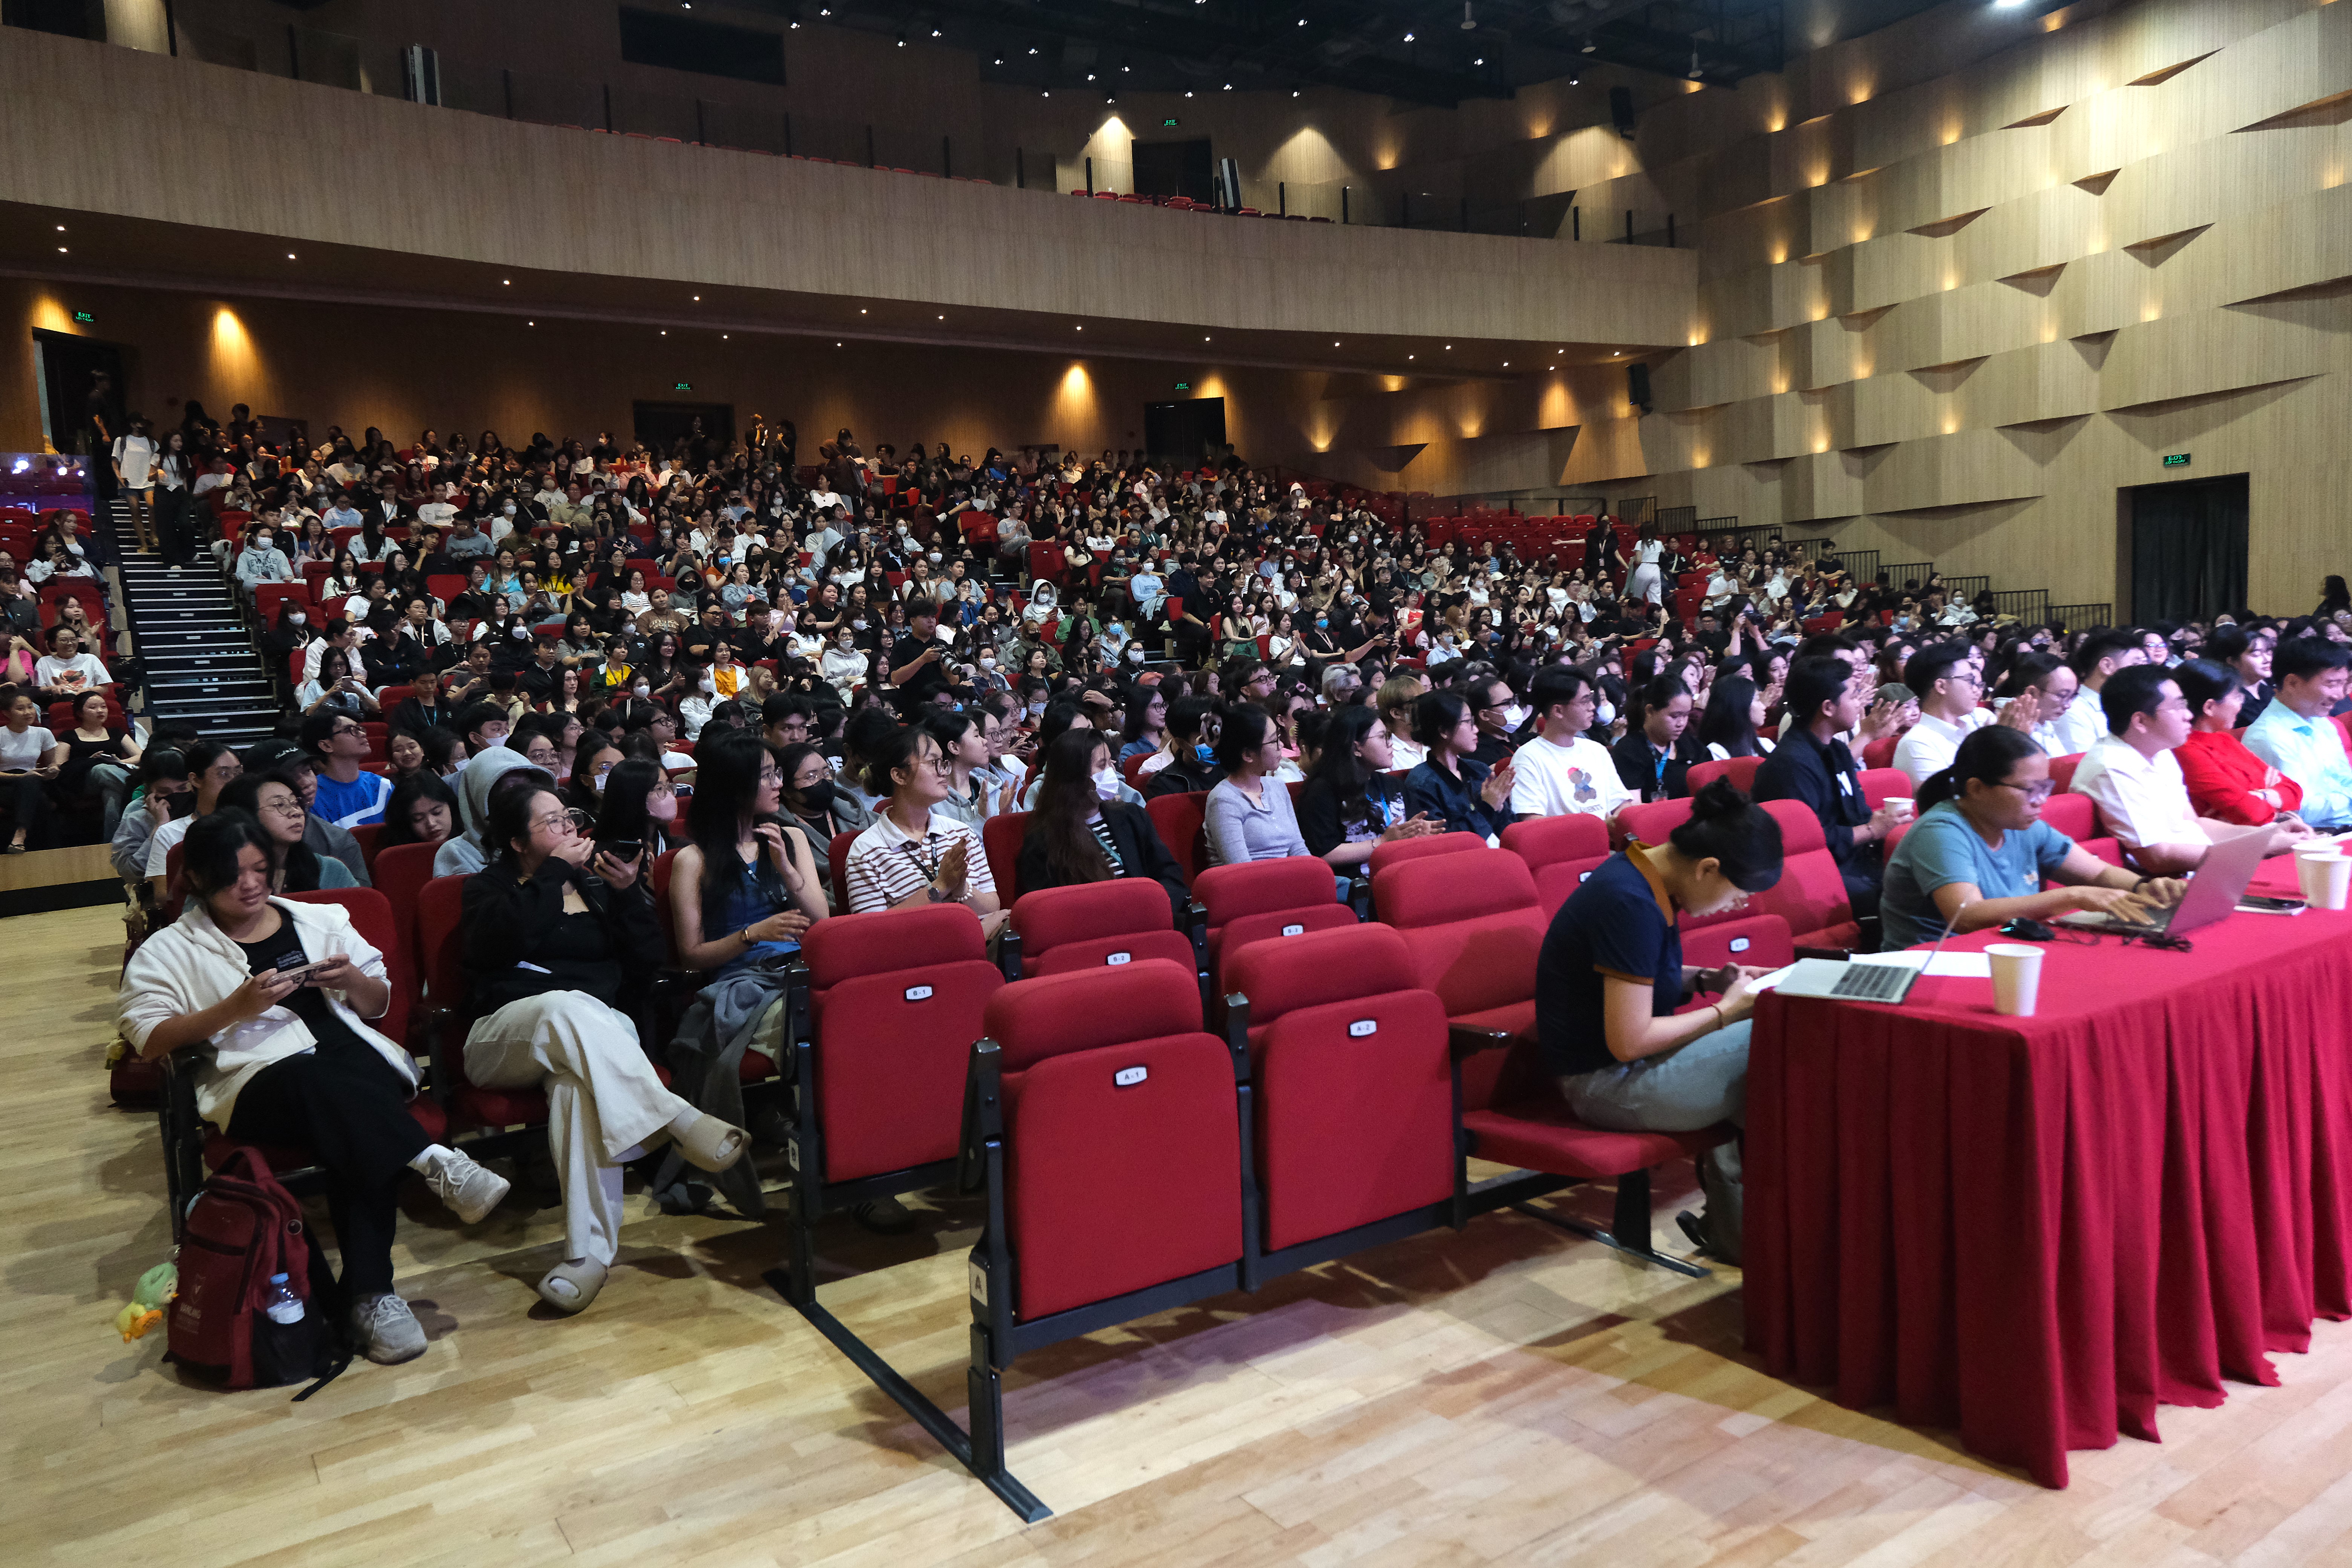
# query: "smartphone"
{"points": [[622, 849], [294, 966]]}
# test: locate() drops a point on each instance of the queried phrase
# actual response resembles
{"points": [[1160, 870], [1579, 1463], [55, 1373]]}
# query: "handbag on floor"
{"points": [[242, 1229]]}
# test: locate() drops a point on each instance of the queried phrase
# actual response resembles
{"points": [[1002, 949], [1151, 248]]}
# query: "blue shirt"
{"points": [[2311, 753], [357, 804], [1456, 801], [1618, 924], [1942, 847]]}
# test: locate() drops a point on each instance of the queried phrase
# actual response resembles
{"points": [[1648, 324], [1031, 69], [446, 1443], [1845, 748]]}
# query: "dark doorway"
{"points": [[1187, 435], [72, 18], [1175, 169], [67, 362], [2188, 549], [706, 429]]}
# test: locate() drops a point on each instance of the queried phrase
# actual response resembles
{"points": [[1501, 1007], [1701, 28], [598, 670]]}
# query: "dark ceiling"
{"points": [[1421, 51]]}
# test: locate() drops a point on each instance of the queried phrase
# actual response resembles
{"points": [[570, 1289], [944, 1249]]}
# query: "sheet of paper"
{"points": [[1948, 965], [1773, 979]]}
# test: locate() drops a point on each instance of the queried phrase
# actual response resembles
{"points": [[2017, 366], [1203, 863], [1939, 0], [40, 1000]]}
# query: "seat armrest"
{"points": [[1839, 953], [1468, 1040]]}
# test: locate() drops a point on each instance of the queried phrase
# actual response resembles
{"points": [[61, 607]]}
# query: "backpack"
{"points": [[242, 1229]]}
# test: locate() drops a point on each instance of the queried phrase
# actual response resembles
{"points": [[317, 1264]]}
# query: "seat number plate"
{"points": [[1362, 1026], [1742, 944], [1128, 1078], [1120, 958], [918, 993], [1294, 930], [979, 1282]]}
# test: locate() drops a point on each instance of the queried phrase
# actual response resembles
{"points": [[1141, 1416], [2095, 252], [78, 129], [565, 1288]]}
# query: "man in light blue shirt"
{"points": [[2295, 734]]}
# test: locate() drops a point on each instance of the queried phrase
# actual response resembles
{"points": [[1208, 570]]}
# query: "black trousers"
{"points": [[28, 801], [350, 1106], [173, 536]]}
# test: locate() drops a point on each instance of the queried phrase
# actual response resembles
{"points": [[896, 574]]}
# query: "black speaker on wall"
{"points": [[1620, 109], [1637, 385]]}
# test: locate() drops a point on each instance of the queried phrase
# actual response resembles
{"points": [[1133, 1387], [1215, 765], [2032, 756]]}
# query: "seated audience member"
{"points": [[2039, 690], [553, 930], [1811, 764], [963, 741], [1947, 687], [1980, 851], [468, 851], [593, 762], [1490, 700], [1249, 813], [1732, 725], [742, 894], [322, 836], [422, 810], [165, 792], [1397, 696], [422, 709], [1349, 806], [2101, 654], [1076, 833], [824, 808], [212, 765], [2225, 781], [1561, 772], [1610, 975], [1194, 724], [284, 1060], [1452, 786], [2296, 735], [348, 796], [273, 799], [2246, 652], [638, 802], [30, 758], [915, 854], [2133, 777], [1650, 758], [66, 671]]}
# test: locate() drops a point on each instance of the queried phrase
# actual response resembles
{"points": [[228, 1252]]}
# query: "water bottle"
{"points": [[283, 1306]]}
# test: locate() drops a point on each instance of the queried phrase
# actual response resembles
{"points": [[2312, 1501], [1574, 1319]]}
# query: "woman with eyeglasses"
{"points": [[1980, 851], [554, 929], [639, 804], [916, 854], [275, 800], [822, 807]]}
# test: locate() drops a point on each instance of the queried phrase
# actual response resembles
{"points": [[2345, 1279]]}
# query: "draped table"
{"points": [[2036, 1230]]}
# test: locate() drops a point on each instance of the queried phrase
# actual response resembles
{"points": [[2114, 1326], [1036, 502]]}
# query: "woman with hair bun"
{"points": [[1610, 975], [1980, 850]]}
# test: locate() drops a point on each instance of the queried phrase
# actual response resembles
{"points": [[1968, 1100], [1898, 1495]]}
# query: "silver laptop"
{"points": [[1842, 981], [2214, 889]]}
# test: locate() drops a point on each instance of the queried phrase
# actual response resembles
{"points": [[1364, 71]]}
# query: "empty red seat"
{"points": [[1098, 925], [1183, 821], [1257, 900], [1740, 771], [1560, 852], [1474, 927], [1811, 894]]}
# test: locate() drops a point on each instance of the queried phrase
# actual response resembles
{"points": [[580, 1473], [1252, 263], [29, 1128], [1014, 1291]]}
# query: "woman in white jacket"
{"points": [[272, 996]]}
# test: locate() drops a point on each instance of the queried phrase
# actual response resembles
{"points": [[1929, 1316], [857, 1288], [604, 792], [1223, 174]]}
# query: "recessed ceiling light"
{"points": [[1335, 342], [722, 338], [1408, 38], [61, 228], [698, 299], [935, 32], [62, 250], [665, 332], [1449, 348], [1408, 356], [507, 281], [1188, 92], [1479, 61], [1506, 365], [1614, 353], [1294, 92], [1204, 339], [531, 323], [1229, 87], [289, 256], [1082, 328], [861, 310], [943, 317]]}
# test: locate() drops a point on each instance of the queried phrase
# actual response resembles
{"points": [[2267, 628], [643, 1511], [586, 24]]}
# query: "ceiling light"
{"points": [[289, 256], [1449, 348], [935, 32], [796, 24], [1082, 328], [1302, 21], [698, 299], [61, 228], [1469, 22], [62, 250], [1335, 342], [1229, 87], [825, 10], [902, 41], [722, 338], [1408, 38], [1589, 47], [1479, 61], [1614, 353], [1045, 92], [1091, 76], [1408, 356], [1125, 66], [861, 310], [1033, 48], [1188, 92], [1694, 70], [665, 332], [1506, 365], [1572, 79], [1294, 92], [531, 323], [943, 317], [507, 282], [999, 59]]}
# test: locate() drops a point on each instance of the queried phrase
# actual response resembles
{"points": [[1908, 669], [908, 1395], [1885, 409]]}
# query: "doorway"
{"points": [[706, 430], [67, 362], [1175, 169], [1187, 435], [2188, 549]]}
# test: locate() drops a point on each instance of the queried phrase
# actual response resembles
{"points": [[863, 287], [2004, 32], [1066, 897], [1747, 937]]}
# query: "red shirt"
{"points": [[2223, 777]]}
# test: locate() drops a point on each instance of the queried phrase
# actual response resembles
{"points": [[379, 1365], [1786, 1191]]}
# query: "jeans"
{"points": [[1683, 1090]]}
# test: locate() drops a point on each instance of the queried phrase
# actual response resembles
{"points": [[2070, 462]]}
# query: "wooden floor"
{"points": [[1507, 1394]]}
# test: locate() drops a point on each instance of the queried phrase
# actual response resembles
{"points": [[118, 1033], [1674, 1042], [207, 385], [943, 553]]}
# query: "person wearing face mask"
{"points": [[261, 560], [1079, 831], [963, 747], [845, 665]]}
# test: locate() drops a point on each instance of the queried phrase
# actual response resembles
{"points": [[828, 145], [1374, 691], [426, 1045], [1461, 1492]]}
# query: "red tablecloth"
{"points": [[2036, 1230]]}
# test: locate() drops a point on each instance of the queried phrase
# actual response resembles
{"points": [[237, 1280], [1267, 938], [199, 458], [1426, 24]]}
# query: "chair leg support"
{"points": [[1631, 1226]]}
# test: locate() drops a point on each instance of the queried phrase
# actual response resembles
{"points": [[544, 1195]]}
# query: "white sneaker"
{"points": [[471, 1191], [387, 1332]]}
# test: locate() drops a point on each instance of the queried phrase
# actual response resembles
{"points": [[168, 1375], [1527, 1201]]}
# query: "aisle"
{"points": [[1501, 1395]]}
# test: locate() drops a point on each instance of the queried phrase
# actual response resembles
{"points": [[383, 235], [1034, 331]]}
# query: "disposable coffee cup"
{"points": [[2016, 977], [2326, 877], [1902, 804]]}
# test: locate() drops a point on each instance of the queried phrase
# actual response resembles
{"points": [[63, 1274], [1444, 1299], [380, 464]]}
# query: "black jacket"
{"points": [[508, 923], [1140, 854], [1826, 779], [1183, 775], [1637, 767]]}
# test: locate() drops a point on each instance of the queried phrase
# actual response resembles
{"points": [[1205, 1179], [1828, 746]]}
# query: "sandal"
{"points": [[710, 1145], [585, 1281]]}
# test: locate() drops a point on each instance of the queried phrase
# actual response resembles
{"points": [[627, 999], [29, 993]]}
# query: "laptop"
{"points": [[1840, 981], [2214, 889]]}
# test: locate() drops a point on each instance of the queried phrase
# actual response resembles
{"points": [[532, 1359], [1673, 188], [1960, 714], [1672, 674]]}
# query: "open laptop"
{"points": [[1842, 981], [2214, 889]]}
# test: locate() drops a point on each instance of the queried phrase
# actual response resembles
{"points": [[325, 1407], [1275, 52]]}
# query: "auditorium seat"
{"points": [[1474, 927], [1095, 925], [1740, 771], [1258, 899], [1560, 852], [506, 1120], [1811, 894], [1183, 821], [999, 843]]}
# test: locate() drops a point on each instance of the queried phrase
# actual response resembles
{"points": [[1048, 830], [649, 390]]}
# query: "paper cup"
{"points": [[2016, 977], [1902, 804], [2326, 877]]}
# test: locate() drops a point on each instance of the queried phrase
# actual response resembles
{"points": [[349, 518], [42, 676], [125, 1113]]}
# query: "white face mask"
{"points": [[522, 632], [1107, 784], [642, 690], [709, 683], [1604, 712], [508, 508], [298, 618], [596, 781]]}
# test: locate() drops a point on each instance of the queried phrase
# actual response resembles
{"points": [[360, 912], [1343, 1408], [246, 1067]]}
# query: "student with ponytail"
{"points": [[1980, 850], [1610, 975]]}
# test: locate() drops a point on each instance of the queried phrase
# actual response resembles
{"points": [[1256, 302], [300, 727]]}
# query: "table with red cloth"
{"points": [[2036, 1230]]}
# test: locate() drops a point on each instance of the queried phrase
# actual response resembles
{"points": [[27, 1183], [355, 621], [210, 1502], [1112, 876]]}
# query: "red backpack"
{"points": [[243, 1228]]}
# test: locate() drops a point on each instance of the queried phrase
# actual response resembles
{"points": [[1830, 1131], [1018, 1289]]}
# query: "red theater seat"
{"points": [[1098, 925]]}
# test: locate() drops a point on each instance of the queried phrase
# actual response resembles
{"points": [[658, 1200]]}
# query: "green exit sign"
{"points": [[681, 386], [2176, 459], [86, 318], [1183, 387], [1169, 123]]}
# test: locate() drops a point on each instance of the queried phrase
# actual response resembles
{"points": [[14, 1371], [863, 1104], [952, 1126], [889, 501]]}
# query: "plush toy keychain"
{"points": [[156, 1288]]}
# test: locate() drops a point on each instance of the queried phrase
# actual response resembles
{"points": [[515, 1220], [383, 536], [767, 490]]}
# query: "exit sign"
{"points": [[86, 318], [1169, 123], [1183, 387], [2176, 459], [688, 386]]}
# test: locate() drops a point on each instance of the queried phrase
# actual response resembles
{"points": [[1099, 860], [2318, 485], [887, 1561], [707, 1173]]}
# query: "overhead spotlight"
{"points": [[1572, 78], [1091, 76], [531, 323], [935, 32], [999, 59], [698, 299], [1479, 61], [794, 24], [289, 255], [1229, 87], [1294, 92], [1694, 67], [1469, 22], [1188, 92], [665, 332], [1045, 92], [1408, 356], [1588, 47], [62, 250], [1111, 100], [861, 310], [1082, 326], [1408, 38], [902, 41], [61, 228], [722, 338], [1033, 48]]}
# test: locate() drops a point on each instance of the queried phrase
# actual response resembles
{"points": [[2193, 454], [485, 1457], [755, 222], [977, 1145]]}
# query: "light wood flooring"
{"points": [[1508, 1395]]}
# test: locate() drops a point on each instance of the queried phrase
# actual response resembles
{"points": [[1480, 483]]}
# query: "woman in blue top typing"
{"points": [[1453, 787], [1979, 852], [1611, 973]]}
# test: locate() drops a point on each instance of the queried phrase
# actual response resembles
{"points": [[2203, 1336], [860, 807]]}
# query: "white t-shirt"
{"points": [[79, 673], [159, 848], [27, 750], [1576, 779], [2143, 799], [1928, 747]]}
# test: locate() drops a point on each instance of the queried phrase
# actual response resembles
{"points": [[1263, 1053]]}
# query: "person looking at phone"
{"points": [[1980, 851], [163, 793], [554, 930], [637, 805], [272, 999], [914, 854], [1610, 977], [212, 767]]}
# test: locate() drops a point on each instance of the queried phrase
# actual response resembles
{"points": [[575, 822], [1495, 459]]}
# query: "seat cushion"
{"points": [[1535, 1136], [473, 1106]]}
